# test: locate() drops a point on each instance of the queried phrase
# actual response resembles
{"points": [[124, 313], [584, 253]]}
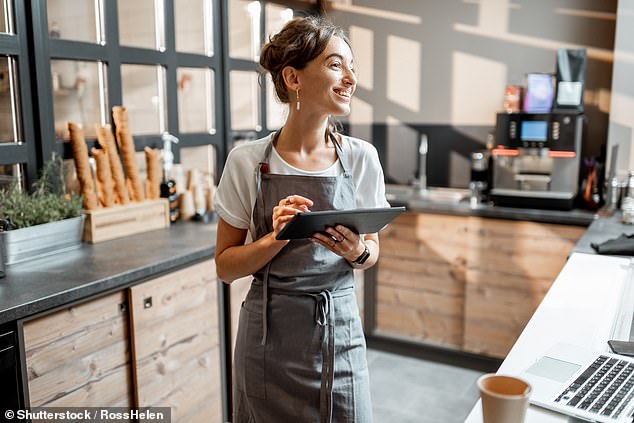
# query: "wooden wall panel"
{"points": [[421, 278], [176, 343], [79, 355], [511, 266], [466, 282]]}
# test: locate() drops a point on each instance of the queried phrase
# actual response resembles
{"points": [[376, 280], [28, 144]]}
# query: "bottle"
{"points": [[168, 185]]}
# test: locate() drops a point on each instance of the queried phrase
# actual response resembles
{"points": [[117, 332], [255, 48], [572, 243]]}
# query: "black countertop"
{"points": [[600, 231], [398, 195], [33, 287]]}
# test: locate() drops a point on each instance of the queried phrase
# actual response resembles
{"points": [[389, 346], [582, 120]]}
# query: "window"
{"points": [[77, 20], [196, 100], [193, 20], [8, 101], [143, 96], [79, 95], [141, 24], [18, 154]]}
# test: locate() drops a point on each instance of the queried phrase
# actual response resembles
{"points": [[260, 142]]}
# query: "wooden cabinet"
{"points": [[466, 282], [163, 352], [175, 343], [80, 355]]}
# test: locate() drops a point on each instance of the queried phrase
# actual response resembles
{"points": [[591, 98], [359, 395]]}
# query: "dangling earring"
{"points": [[297, 92]]}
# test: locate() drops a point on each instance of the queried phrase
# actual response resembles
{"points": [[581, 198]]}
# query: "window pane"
{"points": [[8, 100], [195, 100], [73, 20], [276, 17], [244, 29], [6, 16], [245, 100], [11, 173], [203, 159], [276, 111], [138, 24], [143, 89], [193, 21], [79, 95]]}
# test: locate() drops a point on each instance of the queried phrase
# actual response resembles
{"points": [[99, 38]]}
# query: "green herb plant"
{"points": [[49, 201]]}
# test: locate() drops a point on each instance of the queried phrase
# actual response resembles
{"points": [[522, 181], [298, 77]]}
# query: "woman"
{"points": [[300, 350]]}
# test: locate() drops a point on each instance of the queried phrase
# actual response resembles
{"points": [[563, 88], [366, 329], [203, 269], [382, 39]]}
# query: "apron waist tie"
{"points": [[324, 317]]}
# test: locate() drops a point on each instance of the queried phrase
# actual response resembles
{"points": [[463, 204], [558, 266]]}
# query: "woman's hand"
{"points": [[286, 209], [342, 241]]}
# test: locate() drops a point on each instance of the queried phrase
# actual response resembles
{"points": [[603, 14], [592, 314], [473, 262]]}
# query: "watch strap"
{"points": [[363, 257]]}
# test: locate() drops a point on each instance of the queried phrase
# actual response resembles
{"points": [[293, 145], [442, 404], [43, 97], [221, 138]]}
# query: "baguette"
{"points": [[107, 143], [153, 182], [105, 186], [82, 166], [126, 145]]}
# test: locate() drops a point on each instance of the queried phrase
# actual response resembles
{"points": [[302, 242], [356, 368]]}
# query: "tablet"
{"points": [[361, 221]]}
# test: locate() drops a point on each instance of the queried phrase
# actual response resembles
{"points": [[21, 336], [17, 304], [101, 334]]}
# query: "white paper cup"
{"points": [[504, 398]]}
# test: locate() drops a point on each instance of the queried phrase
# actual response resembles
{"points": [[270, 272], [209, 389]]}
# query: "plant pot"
{"points": [[38, 241]]}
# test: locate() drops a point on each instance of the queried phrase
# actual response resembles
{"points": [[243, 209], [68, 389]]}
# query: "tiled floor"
{"points": [[409, 390]]}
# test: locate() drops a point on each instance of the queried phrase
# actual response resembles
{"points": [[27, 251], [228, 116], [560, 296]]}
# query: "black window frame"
{"points": [[114, 55], [300, 8], [25, 150]]}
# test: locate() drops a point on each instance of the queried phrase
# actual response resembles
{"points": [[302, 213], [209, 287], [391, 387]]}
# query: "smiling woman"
{"points": [[300, 316]]}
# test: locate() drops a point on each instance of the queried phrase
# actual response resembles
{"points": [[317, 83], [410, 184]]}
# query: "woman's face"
{"points": [[328, 81]]}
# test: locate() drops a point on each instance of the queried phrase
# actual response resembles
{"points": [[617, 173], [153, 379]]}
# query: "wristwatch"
{"points": [[364, 255]]}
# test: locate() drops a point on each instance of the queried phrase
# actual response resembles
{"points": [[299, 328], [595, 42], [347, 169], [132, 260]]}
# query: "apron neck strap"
{"points": [[341, 156]]}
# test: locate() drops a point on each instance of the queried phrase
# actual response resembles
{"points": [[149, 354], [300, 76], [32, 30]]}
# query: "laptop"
{"points": [[596, 387]]}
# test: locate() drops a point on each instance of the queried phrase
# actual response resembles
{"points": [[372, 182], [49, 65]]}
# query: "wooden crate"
{"points": [[119, 221]]}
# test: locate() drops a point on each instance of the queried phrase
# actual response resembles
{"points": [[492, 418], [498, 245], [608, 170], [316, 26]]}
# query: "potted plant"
{"points": [[44, 222]]}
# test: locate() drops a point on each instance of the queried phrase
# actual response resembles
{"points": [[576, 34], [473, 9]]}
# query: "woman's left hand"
{"points": [[341, 241]]}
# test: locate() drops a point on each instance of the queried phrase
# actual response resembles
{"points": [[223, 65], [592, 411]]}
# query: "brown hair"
{"points": [[299, 42]]}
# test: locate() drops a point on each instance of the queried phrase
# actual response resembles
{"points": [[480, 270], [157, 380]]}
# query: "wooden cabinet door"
{"points": [[421, 278], [511, 266], [79, 356], [175, 337]]}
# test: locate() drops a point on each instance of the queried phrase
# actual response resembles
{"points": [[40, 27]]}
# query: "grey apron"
{"points": [[300, 353]]}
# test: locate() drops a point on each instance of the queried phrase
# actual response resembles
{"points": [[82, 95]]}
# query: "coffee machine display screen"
{"points": [[534, 130]]}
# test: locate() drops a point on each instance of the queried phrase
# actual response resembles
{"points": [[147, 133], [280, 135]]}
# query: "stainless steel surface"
{"points": [[41, 240], [432, 194], [421, 182]]}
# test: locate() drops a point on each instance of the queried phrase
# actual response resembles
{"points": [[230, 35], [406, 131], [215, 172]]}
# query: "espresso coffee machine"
{"points": [[536, 159]]}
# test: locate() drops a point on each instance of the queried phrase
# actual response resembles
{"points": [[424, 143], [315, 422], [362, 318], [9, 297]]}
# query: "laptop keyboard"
{"points": [[604, 388]]}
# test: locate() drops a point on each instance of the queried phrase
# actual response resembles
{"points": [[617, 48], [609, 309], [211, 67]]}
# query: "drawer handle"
{"points": [[147, 303]]}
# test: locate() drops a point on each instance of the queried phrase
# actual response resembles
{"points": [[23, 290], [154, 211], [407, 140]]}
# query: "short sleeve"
{"points": [[370, 181], [232, 200]]}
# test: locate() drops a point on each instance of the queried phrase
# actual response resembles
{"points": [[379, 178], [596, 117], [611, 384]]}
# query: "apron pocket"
{"points": [[253, 353]]}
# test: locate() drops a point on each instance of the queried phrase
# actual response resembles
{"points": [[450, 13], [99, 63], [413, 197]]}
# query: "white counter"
{"points": [[589, 303]]}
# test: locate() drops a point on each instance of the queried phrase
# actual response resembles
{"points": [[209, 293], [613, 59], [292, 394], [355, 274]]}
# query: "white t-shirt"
{"points": [[235, 197]]}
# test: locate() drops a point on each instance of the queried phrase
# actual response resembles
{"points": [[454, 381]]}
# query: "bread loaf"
{"points": [[105, 186], [126, 145], [107, 143], [153, 181], [82, 166]]}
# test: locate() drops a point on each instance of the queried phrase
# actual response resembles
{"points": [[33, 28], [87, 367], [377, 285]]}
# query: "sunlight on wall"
{"points": [[404, 72], [362, 40], [477, 89], [361, 112], [493, 15], [621, 114], [361, 119]]}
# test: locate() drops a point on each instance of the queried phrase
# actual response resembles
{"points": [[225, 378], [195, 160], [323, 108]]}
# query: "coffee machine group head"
{"points": [[537, 158]]}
